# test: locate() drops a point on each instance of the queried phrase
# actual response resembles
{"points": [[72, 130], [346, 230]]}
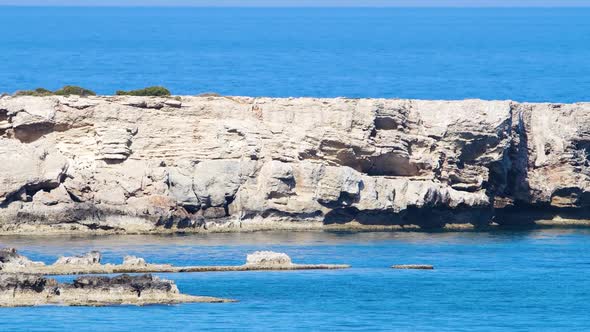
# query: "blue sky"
{"points": [[348, 3]]}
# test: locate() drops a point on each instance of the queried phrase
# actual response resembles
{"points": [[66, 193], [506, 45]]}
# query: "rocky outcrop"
{"points": [[89, 263], [11, 259], [18, 290], [140, 165], [268, 258], [90, 258]]}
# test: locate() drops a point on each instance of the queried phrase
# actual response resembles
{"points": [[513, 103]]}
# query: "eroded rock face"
{"points": [[139, 164]]}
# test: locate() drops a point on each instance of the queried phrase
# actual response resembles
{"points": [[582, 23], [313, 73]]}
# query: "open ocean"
{"points": [[534, 280], [520, 54]]}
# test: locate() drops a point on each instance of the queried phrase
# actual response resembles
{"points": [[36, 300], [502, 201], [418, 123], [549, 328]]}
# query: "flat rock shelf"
{"points": [[13, 262], [413, 267]]}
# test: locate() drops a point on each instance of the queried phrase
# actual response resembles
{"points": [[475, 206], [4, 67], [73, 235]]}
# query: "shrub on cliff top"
{"points": [[74, 90], [209, 94], [158, 91], [39, 92]]}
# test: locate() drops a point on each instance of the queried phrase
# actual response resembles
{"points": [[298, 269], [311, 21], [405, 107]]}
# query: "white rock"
{"points": [[134, 261], [268, 258], [90, 258]]}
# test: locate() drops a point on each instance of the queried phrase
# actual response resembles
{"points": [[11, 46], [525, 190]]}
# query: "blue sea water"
{"points": [[518, 281], [528, 280], [521, 54]]}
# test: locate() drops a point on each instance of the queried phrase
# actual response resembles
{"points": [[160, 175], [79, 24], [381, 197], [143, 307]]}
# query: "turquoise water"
{"points": [[533, 281], [521, 54]]}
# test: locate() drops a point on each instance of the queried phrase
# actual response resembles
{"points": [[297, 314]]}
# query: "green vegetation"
{"points": [[149, 91], [39, 92], [74, 90], [65, 91]]}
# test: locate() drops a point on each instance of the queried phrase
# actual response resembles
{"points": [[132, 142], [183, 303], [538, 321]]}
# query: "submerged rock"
{"points": [[414, 267], [29, 290]]}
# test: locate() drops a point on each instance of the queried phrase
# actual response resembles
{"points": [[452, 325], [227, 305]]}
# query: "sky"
{"points": [[305, 3]]}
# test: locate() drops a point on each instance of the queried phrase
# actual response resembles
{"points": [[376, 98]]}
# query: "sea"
{"points": [[528, 280], [510, 280], [524, 54]]}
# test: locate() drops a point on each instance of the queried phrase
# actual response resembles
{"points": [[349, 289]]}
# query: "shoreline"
{"points": [[353, 227]]}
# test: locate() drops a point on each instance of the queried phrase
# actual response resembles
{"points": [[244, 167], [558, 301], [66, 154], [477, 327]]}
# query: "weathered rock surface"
{"points": [[90, 258], [268, 258], [139, 165], [11, 259], [30, 290], [90, 264]]}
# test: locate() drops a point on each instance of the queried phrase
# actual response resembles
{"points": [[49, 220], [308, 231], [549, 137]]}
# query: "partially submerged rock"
{"points": [[134, 261], [413, 267], [30, 290], [90, 264], [90, 258], [11, 259]]}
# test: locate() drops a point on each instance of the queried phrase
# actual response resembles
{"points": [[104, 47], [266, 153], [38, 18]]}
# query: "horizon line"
{"points": [[293, 6]]}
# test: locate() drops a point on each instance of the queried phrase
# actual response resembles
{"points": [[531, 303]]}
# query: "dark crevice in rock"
{"points": [[427, 218], [527, 214], [391, 164], [277, 213], [27, 191], [385, 123], [31, 133], [517, 184]]}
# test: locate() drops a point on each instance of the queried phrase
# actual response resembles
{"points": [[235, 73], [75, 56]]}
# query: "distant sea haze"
{"points": [[521, 54]]}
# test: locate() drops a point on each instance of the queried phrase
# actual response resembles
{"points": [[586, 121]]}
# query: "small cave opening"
{"points": [[385, 123], [3, 115], [391, 164]]}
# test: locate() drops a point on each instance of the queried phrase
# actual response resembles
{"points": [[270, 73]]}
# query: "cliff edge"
{"points": [[140, 164]]}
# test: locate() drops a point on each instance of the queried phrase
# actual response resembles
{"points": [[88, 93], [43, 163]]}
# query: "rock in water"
{"points": [[268, 258], [28, 290], [90, 258], [10, 259], [414, 267], [12, 262], [134, 261]]}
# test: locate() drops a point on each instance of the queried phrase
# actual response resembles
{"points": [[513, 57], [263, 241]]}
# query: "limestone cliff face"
{"points": [[147, 164]]}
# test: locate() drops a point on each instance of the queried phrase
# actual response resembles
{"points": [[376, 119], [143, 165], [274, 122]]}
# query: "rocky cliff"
{"points": [[134, 164]]}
